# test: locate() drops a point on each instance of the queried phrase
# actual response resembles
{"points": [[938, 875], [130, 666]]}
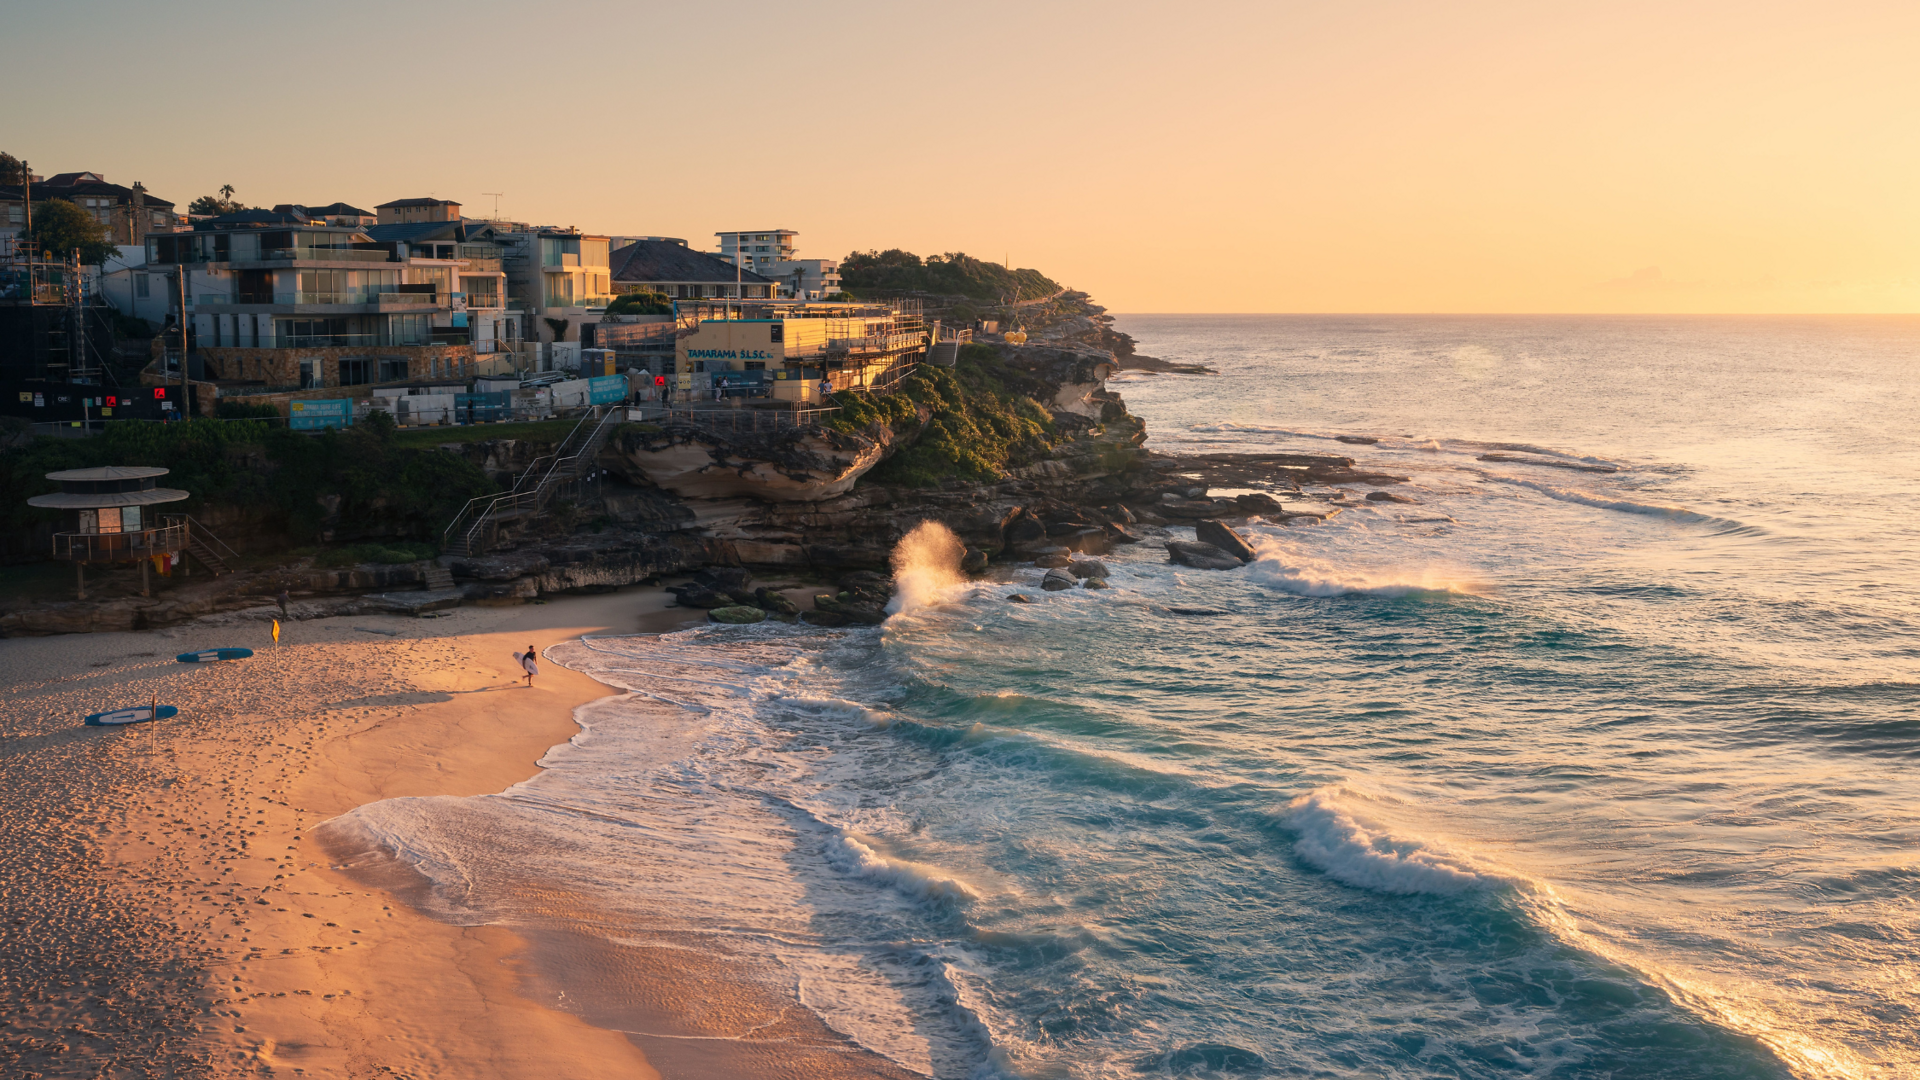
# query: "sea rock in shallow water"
{"points": [[1388, 496], [1200, 556], [775, 602], [824, 618], [1096, 583], [1222, 536], [702, 597], [1019, 598], [1087, 568], [1052, 562], [739, 615], [1259, 502], [1057, 580], [1120, 534], [974, 561], [851, 607]]}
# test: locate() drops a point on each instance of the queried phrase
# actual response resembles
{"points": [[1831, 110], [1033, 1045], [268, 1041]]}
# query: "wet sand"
{"points": [[163, 908]]}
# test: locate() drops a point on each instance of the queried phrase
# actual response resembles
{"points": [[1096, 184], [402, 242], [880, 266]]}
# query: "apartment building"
{"points": [[754, 249], [285, 301], [805, 279], [129, 213]]}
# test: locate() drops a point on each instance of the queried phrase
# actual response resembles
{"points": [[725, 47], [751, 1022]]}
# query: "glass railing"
{"points": [[311, 296], [322, 254]]}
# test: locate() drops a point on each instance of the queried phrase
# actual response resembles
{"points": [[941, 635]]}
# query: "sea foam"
{"points": [[1338, 837]]}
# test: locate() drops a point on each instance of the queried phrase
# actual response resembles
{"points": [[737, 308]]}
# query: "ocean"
{"points": [[1595, 761]]}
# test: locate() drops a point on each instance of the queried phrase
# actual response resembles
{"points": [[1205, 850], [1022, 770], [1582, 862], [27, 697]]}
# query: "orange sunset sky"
{"points": [[1323, 157]]}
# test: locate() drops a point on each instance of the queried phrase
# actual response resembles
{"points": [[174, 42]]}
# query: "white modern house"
{"points": [[804, 279], [750, 249]]}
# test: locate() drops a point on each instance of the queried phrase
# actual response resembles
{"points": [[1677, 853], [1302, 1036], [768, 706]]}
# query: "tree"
{"points": [[641, 303], [225, 203], [59, 227], [11, 170], [559, 327]]}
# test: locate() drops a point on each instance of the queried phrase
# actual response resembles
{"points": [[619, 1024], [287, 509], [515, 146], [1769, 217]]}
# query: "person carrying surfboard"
{"points": [[527, 661]]}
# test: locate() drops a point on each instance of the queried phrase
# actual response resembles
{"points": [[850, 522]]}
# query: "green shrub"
{"points": [[641, 303], [981, 423], [388, 553], [952, 274], [245, 410]]}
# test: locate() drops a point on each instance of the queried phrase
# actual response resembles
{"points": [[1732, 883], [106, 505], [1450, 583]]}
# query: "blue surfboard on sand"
{"points": [[208, 656], [139, 714]]}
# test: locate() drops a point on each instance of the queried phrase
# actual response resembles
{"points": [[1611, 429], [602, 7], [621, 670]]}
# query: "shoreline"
{"points": [[200, 846]]}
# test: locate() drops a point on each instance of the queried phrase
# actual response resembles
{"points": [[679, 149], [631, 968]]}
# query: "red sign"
{"points": [[159, 391], [659, 380], [112, 401]]}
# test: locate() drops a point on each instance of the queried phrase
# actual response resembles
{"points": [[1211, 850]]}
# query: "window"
{"points": [[355, 372], [130, 518], [393, 369], [109, 519], [16, 215], [159, 220], [142, 287]]}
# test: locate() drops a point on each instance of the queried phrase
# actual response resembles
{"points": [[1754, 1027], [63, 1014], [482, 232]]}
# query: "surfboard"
{"points": [[208, 656], [139, 714], [527, 662]]}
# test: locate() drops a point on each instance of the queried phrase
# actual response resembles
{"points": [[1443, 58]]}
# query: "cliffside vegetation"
{"points": [[360, 483], [982, 423], [953, 274], [641, 303]]}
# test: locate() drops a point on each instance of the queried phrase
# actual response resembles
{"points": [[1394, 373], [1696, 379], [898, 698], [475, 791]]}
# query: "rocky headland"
{"points": [[1020, 450]]}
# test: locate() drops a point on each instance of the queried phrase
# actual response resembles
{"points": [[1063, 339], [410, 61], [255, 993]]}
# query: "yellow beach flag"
{"points": [[276, 631]]}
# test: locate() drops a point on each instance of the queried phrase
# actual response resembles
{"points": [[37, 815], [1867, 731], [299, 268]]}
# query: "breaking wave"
{"points": [[1288, 572], [1339, 839], [916, 881]]}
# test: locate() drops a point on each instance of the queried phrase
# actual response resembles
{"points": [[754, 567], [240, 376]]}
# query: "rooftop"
{"points": [[401, 203], [667, 260]]}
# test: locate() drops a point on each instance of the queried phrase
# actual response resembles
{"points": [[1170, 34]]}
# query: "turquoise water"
{"points": [[1551, 773]]}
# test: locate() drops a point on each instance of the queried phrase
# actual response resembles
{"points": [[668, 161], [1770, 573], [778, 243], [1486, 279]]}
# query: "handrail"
{"points": [[204, 533], [560, 468], [447, 533]]}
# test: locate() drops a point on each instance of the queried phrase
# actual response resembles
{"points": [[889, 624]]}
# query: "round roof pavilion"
{"points": [[113, 485]]}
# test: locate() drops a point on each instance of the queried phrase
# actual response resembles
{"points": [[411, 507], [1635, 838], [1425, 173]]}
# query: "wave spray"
{"points": [[926, 563]]}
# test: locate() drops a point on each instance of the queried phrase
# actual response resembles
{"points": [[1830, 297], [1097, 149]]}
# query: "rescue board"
{"points": [[139, 714], [208, 656]]}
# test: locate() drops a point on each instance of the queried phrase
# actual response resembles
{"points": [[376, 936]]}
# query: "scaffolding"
{"points": [[46, 305]]}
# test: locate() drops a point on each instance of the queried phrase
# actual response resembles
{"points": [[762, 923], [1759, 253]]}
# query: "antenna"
{"points": [[496, 204]]}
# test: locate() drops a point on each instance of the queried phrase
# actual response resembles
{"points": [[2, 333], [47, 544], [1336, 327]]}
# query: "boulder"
{"points": [[1025, 528], [1057, 580], [853, 608], [739, 615], [1066, 528], [1193, 508], [974, 561], [1096, 583], [725, 578], [1388, 496], [702, 597], [1087, 568], [824, 618], [1052, 561], [1196, 493], [1089, 540], [772, 601], [1019, 598], [1119, 514], [1222, 536], [1200, 556], [1120, 534], [1259, 502], [744, 596]]}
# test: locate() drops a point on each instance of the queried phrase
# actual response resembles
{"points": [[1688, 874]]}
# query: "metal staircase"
{"points": [[203, 545], [478, 524]]}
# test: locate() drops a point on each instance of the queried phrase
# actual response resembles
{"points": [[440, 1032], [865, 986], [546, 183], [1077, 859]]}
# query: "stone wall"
{"points": [[281, 367]]}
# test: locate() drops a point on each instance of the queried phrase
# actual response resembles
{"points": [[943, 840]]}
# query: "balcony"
{"points": [[579, 301], [121, 546], [322, 254], [308, 296]]}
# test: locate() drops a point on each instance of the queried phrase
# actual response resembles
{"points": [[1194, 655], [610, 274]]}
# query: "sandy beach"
{"points": [[166, 911]]}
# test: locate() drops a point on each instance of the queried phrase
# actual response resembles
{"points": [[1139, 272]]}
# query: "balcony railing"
{"points": [[312, 296], [325, 341], [322, 254], [579, 301], [119, 547]]}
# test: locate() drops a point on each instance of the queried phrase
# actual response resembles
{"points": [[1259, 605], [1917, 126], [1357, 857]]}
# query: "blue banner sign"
{"points": [[607, 390], [310, 415]]}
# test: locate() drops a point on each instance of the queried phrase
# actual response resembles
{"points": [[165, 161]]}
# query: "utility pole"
{"points": [[181, 278], [26, 189]]}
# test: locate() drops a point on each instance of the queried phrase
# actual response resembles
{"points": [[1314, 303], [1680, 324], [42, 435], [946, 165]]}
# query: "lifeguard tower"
{"points": [[110, 519]]}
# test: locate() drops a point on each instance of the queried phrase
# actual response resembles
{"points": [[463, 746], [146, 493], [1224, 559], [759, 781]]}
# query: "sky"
{"points": [[1385, 156]]}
